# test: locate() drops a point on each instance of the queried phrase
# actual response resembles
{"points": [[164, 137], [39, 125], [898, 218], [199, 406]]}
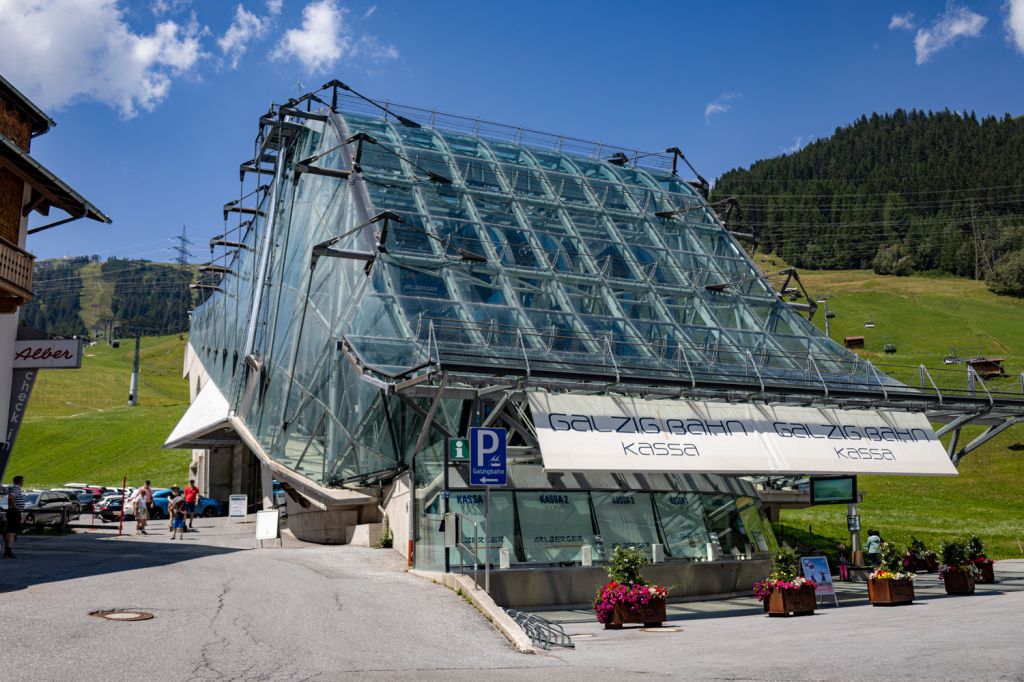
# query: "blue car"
{"points": [[204, 507]]}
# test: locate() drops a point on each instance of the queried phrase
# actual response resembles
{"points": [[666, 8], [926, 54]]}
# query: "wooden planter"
{"points": [[915, 564], [958, 582], [988, 573], [791, 602], [650, 616], [890, 592]]}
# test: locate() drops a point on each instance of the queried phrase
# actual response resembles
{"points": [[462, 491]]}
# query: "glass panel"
{"points": [[470, 504], [625, 518], [682, 524], [760, 531], [723, 519], [554, 525]]}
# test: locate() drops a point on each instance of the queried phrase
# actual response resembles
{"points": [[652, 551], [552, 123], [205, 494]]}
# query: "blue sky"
{"points": [[157, 101]]}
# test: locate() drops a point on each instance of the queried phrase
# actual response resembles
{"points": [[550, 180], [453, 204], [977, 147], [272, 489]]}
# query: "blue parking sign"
{"points": [[487, 459]]}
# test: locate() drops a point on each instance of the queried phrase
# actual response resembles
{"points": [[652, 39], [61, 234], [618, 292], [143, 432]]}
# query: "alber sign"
{"points": [[48, 353], [619, 434]]}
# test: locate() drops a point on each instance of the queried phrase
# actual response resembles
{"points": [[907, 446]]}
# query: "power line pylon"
{"points": [[184, 254]]}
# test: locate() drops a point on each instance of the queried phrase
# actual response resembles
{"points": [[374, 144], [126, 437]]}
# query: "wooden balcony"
{"points": [[15, 277]]}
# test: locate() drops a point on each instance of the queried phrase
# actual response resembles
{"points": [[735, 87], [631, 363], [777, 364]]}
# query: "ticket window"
{"points": [[470, 505], [624, 519], [554, 525], [682, 524]]}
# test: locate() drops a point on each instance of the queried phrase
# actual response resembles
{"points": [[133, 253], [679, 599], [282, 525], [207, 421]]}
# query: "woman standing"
{"points": [[873, 547], [141, 511]]}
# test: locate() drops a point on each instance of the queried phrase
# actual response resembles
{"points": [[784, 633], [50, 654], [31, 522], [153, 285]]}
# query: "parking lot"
{"points": [[223, 609]]}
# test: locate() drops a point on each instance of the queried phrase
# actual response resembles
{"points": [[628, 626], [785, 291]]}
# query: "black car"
{"points": [[84, 498], [44, 508]]}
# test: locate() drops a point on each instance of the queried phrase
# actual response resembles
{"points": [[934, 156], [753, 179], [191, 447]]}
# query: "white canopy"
{"points": [[617, 434], [208, 412]]}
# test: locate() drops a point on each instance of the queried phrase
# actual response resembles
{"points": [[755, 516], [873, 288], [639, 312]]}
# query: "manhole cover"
{"points": [[119, 614], [671, 628]]}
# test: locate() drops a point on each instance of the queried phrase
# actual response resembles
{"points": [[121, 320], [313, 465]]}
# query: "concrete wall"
{"points": [[396, 506], [522, 587]]}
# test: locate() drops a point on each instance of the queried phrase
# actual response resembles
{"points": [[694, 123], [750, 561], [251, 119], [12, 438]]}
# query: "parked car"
{"points": [[43, 507], [109, 508], [84, 498], [205, 507]]}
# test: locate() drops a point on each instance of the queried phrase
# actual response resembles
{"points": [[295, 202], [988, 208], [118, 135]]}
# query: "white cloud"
{"points": [[374, 50], [274, 6], [719, 105], [797, 146], [245, 27], [161, 7], [1015, 23], [61, 51], [902, 21], [370, 11], [951, 25], [324, 38]]}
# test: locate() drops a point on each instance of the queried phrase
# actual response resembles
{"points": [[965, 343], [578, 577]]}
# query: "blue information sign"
{"points": [[487, 461]]}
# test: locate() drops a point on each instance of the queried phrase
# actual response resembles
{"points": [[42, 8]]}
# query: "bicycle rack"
{"points": [[541, 631]]}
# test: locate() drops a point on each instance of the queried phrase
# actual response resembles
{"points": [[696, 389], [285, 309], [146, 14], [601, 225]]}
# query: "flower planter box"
{"points": [[988, 573], [890, 592], [799, 602], [651, 615], [929, 564], [958, 582]]}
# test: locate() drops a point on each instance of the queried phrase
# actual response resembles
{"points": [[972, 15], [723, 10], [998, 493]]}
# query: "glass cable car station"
{"points": [[391, 277]]}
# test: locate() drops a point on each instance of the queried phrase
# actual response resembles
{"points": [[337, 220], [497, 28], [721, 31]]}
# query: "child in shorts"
{"points": [[177, 507]]}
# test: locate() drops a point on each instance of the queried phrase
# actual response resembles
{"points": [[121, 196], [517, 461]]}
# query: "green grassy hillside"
{"points": [[925, 317], [79, 427]]}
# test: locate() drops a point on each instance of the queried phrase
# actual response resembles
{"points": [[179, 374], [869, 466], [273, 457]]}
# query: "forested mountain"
{"points": [[903, 192], [86, 296]]}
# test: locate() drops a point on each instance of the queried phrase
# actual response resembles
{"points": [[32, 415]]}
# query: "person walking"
{"points": [[147, 497], [175, 492], [191, 500], [140, 509], [873, 547], [15, 505], [176, 510]]}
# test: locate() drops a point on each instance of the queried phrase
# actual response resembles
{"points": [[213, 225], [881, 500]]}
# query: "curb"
{"points": [[463, 584]]}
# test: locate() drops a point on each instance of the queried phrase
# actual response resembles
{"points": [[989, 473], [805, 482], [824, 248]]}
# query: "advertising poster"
{"points": [[816, 568]]}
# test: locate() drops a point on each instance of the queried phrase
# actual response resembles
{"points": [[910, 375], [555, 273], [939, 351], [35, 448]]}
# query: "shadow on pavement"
{"points": [[53, 558]]}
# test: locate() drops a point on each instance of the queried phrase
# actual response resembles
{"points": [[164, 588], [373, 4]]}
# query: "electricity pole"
{"points": [[133, 391]]}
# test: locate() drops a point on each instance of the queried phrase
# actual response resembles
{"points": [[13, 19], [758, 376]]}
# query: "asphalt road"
{"points": [[224, 610]]}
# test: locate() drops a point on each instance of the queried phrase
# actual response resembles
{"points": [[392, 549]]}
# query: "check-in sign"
{"points": [[48, 353]]}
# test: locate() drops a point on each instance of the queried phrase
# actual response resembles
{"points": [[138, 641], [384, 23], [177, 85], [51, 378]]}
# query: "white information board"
{"points": [[268, 524], [238, 505]]}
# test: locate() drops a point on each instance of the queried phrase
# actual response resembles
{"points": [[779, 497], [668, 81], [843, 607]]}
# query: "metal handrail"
{"points": [[476, 547]]}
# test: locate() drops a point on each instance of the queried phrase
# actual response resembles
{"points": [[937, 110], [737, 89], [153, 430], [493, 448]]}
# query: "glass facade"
{"points": [[497, 253]]}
